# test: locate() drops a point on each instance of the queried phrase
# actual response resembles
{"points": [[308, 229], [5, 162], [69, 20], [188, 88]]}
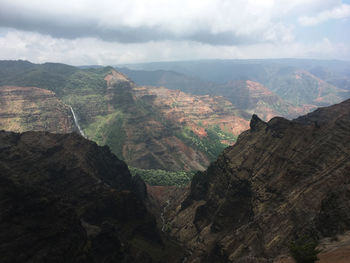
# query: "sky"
{"points": [[112, 32]]}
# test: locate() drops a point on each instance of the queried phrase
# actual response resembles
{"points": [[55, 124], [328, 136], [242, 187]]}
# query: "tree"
{"points": [[304, 250]]}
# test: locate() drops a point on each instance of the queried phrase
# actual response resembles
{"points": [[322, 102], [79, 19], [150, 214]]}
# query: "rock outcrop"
{"points": [[281, 180], [65, 199]]}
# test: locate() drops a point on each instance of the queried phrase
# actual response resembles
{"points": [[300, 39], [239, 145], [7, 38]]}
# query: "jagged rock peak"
{"points": [[255, 122]]}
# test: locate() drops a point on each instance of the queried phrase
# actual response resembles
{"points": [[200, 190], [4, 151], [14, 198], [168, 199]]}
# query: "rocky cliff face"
{"points": [[282, 179], [29, 108], [63, 198], [163, 129], [196, 111], [141, 125], [140, 134]]}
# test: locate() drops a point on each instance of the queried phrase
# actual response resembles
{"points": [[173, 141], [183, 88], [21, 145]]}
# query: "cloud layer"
{"points": [[339, 12], [120, 30]]}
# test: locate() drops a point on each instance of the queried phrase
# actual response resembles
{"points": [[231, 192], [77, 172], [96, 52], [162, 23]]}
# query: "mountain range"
{"points": [[291, 80], [284, 182], [180, 122], [148, 127], [266, 188]]}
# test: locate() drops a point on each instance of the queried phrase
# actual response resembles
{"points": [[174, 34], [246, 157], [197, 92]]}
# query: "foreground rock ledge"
{"points": [[65, 199]]}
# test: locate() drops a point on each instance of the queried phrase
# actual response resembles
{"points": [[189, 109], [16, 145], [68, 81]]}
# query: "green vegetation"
{"points": [[106, 114], [50, 76], [108, 130], [92, 81], [303, 249], [161, 177], [215, 132], [212, 144], [85, 91]]}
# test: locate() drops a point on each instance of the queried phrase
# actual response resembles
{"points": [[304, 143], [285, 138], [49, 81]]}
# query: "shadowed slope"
{"points": [[63, 198], [282, 179]]}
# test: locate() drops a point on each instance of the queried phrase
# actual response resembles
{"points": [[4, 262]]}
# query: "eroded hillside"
{"points": [[281, 180], [255, 98], [150, 128], [33, 109], [163, 129]]}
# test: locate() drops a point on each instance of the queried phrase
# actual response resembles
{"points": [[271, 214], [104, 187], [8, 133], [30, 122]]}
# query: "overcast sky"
{"points": [[110, 32]]}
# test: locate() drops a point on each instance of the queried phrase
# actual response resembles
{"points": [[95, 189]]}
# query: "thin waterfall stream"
{"points": [[77, 123]]}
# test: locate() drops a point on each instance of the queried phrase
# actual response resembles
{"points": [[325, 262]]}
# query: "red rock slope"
{"points": [[30, 108]]}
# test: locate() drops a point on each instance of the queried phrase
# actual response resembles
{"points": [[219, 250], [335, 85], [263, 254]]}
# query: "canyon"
{"points": [[153, 127], [267, 87], [281, 180], [262, 182], [148, 127]]}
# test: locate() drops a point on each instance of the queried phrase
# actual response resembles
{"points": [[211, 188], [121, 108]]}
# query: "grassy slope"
{"points": [[161, 177], [212, 144]]}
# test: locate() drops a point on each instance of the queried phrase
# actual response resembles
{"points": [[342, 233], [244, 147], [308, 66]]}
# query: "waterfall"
{"points": [[76, 122]]}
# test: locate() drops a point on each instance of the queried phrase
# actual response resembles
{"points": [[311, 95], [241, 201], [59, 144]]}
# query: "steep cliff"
{"points": [[63, 198], [148, 127], [33, 109], [196, 111], [163, 129], [281, 180]]}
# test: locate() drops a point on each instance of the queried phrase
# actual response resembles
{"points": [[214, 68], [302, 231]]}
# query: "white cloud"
{"points": [[339, 12], [125, 21], [38, 48], [118, 31]]}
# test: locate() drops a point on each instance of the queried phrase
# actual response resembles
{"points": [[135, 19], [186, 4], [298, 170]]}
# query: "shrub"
{"points": [[304, 250]]}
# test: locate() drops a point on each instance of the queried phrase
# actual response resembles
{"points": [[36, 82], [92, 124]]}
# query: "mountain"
{"points": [[51, 76], [250, 96], [291, 79], [33, 109], [301, 87], [163, 129], [169, 79], [281, 182], [197, 112], [254, 98], [260, 70], [63, 198], [149, 128]]}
